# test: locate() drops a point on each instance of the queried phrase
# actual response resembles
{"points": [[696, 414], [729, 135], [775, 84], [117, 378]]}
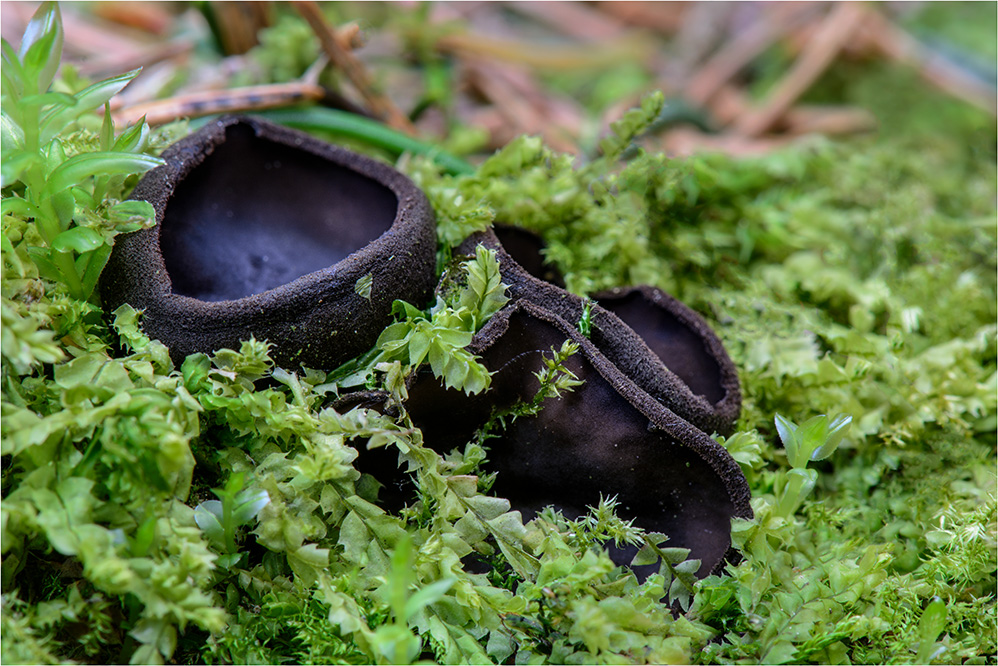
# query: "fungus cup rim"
{"points": [[405, 252]]}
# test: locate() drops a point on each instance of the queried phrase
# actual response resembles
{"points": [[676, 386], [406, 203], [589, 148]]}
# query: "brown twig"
{"points": [[343, 59], [573, 19], [543, 57], [239, 22], [663, 17], [837, 28], [745, 47], [685, 141], [525, 108], [350, 35], [232, 100], [830, 120], [888, 39]]}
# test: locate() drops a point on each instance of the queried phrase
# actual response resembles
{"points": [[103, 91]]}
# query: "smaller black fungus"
{"points": [[593, 442], [671, 353]]}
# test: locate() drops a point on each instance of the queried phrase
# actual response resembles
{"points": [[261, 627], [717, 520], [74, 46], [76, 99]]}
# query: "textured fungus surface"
{"points": [[527, 249], [678, 336], [672, 354], [605, 438], [265, 231]]}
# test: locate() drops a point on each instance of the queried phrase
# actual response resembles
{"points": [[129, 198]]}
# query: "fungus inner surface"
{"points": [[527, 249], [681, 349], [256, 214]]}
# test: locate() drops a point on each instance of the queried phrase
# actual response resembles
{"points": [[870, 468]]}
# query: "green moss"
{"points": [[214, 511]]}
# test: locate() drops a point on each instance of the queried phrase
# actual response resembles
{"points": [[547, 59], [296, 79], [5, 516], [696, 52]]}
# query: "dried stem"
{"points": [[838, 27], [545, 57], [342, 57], [721, 67], [203, 103]]}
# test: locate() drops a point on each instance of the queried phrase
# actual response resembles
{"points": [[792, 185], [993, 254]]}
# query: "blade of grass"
{"points": [[369, 131]]}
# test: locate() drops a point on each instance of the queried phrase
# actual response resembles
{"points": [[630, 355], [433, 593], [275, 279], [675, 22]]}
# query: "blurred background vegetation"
{"points": [[742, 78]]}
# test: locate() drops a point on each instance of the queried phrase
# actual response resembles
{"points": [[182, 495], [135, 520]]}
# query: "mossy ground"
{"points": [[853, 277]]}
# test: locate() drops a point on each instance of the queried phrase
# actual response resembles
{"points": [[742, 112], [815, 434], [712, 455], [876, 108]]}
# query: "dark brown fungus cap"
{"points": [[703, 390], [605, 438], [683, 340], [527, 249], [266, 231]]}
